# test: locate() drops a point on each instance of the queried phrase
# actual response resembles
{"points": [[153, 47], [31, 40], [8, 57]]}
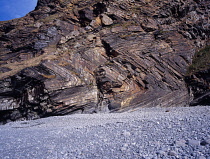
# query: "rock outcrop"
{"points": [[198, 79], [73, 56]]}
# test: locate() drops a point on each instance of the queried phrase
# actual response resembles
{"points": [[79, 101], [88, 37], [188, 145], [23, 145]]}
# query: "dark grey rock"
{"points": [[4, 69], [205, 142]]}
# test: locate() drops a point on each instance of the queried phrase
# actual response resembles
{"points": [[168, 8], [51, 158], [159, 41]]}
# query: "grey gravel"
{"points": [[147, 133], [194, 142]]}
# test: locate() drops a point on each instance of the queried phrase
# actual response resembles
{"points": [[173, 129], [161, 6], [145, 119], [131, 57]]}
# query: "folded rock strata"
{"points": [[73, 56]]}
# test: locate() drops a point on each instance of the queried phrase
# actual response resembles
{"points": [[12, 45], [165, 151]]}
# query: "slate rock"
{"points": [[205, 142], [106, 20]]}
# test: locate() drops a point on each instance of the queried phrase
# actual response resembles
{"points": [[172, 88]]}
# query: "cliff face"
{"points": [[198, 79], [73, 56]]}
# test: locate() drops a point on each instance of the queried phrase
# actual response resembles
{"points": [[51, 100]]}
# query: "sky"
{"points": [[11, 9]]}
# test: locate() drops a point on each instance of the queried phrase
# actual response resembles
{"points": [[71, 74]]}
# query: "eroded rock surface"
{"points": [[199, 88], [73, 56], [198, 79]]}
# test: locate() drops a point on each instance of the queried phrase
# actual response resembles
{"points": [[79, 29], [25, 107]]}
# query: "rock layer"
{"points": [[198, 84], [73, 56], [197, 79]]}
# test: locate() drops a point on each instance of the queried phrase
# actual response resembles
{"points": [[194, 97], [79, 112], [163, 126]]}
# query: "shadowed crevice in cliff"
{"points": [[99, 8], [88, 14], [109, 51], [179, 12], [106, 87], [85, 17], [25, 95]]}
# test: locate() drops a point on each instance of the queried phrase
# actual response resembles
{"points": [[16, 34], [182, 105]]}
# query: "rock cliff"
{"points": [[198, 79], [74, 56]]}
